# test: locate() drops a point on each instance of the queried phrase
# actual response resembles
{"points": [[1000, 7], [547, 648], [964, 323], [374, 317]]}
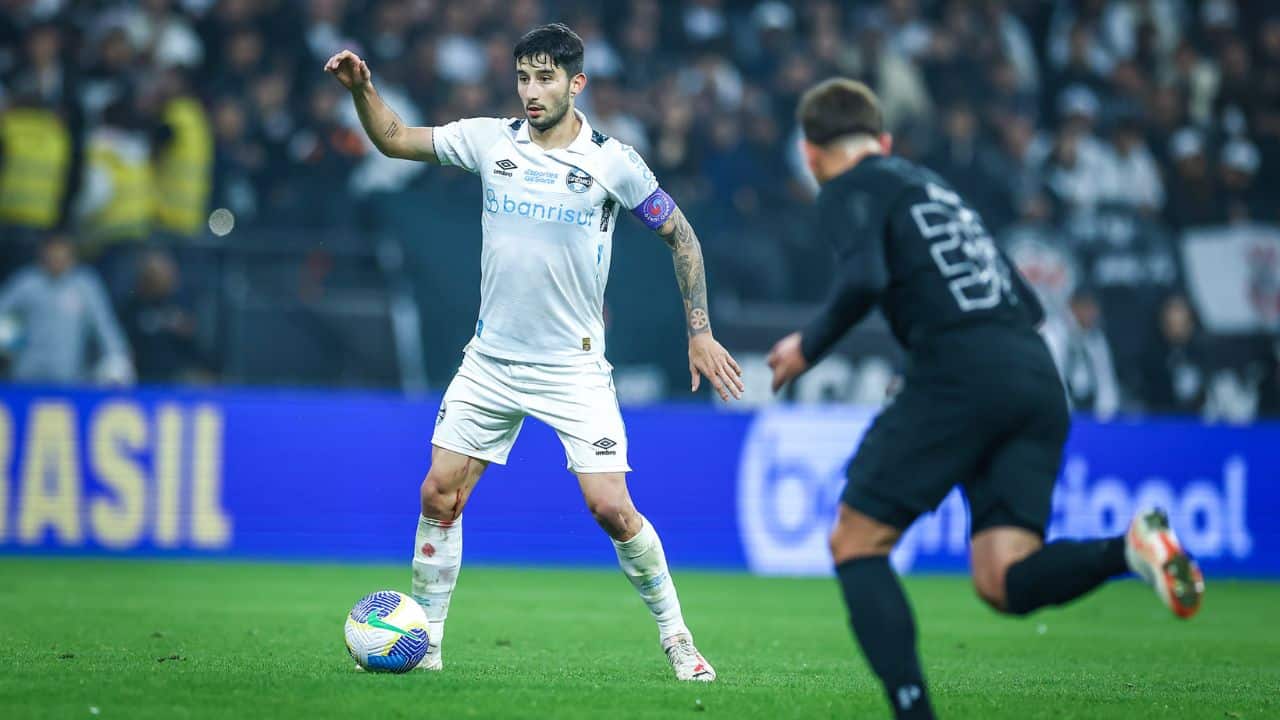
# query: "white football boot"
{"points": [[686, 661], [433, 660], [1154, 554]]}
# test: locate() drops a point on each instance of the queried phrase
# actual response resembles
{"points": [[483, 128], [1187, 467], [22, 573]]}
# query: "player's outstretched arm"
{"points": [[383, 126], [706, 356]]}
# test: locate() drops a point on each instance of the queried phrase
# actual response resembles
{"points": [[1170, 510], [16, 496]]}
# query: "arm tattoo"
{"points": [[392, 129], [687, 253]]}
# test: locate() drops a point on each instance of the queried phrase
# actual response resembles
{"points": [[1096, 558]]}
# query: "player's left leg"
{"points": [[1016, 573], [580, 404], [641, 557], [1009, 503]]}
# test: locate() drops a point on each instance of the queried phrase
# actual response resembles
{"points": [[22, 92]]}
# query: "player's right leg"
{"points": [[478, 423], [878, 609], [437, 551], [907, 463]]}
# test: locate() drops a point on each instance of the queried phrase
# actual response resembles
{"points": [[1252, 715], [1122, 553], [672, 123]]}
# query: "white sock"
{"points": [[645, 565], [437, 557]]}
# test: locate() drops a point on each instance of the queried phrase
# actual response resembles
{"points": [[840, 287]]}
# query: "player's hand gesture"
{"points": [[787, 360], [350, 70], [708, 358]]}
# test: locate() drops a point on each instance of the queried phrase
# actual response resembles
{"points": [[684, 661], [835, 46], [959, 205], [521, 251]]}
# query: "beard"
{"points": [[552, 114]]}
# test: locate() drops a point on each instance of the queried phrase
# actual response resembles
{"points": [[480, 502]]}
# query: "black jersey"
{"points": [[907, 242]]}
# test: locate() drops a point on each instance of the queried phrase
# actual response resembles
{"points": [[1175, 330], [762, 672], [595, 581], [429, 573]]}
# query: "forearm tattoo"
{"points": [[392, 129], [686, 252]]}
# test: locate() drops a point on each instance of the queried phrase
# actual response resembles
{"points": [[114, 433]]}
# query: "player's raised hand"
{"points": [[350, 70], [708, 358], [787, 360]]}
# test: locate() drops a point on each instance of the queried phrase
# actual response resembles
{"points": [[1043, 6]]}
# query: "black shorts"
{"points": [[996, 430]]}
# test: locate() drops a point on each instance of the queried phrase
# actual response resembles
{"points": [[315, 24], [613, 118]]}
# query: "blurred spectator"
{"points": [[1197, 80], [1020, 192], [117, 201], [162, 328], [1080, 349], [1193, 198], [64, 319], [600, 59], [1016, 47], [111, 70], [459, 56], [641, 60], [323, 27], [1175, 369], [322, 153], [1076, 166], [704, 22], [162, 34], [1081, 63], [1240, 199], [35, 167], [44, 78], [1076, 46], [237, 160], [184, 162], [1236, 94], [962, 157], [609, 116], [904, 96], [1134, 175]]}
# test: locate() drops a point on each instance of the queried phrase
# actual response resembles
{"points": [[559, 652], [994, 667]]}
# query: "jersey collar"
{"points": [[581, 145]]}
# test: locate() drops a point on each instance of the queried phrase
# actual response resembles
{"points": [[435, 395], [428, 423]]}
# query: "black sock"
{"points": [[882, 622], [1061, 572]]}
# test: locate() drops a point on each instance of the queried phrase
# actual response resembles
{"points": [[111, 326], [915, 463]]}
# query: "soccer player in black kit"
{"points": [[981, 404]]}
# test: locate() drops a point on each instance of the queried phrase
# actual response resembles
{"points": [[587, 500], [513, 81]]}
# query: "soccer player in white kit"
{"points": [[553, 190]]}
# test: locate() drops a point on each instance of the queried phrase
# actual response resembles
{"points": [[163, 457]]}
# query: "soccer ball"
{"points": [[387, 632]]}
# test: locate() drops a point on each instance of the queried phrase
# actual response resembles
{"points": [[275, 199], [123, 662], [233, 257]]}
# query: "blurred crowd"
{"points": [[1091, 134]]}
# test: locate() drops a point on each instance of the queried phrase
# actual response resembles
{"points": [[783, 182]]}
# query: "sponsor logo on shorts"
{"points": [[578, 180], [605, 446], [586, 342], [440, 415]]}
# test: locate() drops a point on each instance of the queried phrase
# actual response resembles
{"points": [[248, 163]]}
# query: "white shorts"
{"points": [[489, 398]]}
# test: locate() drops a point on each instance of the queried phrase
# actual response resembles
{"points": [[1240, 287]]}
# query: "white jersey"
{"points": [[548, 219]]}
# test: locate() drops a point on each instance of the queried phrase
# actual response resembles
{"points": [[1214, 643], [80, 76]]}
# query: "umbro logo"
{"points": [[606, 446], [504, 167]]}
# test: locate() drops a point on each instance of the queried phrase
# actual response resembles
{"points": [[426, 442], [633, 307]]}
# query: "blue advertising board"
{"points": [[334, 476]]}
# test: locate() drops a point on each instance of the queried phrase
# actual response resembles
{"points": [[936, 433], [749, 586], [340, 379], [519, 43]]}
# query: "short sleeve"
{"points": [[635, 182], [459, 143]]}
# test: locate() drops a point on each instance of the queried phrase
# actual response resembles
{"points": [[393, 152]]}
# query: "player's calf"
{"points": [[993, 551]]}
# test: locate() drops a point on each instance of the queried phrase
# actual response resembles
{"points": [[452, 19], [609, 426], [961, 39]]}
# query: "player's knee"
{"points": [[615, 516], [848, 543], [989, 583], [441, 497]]}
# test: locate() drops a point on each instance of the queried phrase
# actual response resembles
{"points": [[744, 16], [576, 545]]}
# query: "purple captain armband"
{"points": [[656, 209]]}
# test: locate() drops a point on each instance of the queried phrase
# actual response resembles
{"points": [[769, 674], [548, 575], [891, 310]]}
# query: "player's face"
{"points": [[546, 91]]}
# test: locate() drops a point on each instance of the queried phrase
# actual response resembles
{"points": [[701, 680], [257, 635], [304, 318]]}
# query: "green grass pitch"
{"points": [[134, 639]]}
